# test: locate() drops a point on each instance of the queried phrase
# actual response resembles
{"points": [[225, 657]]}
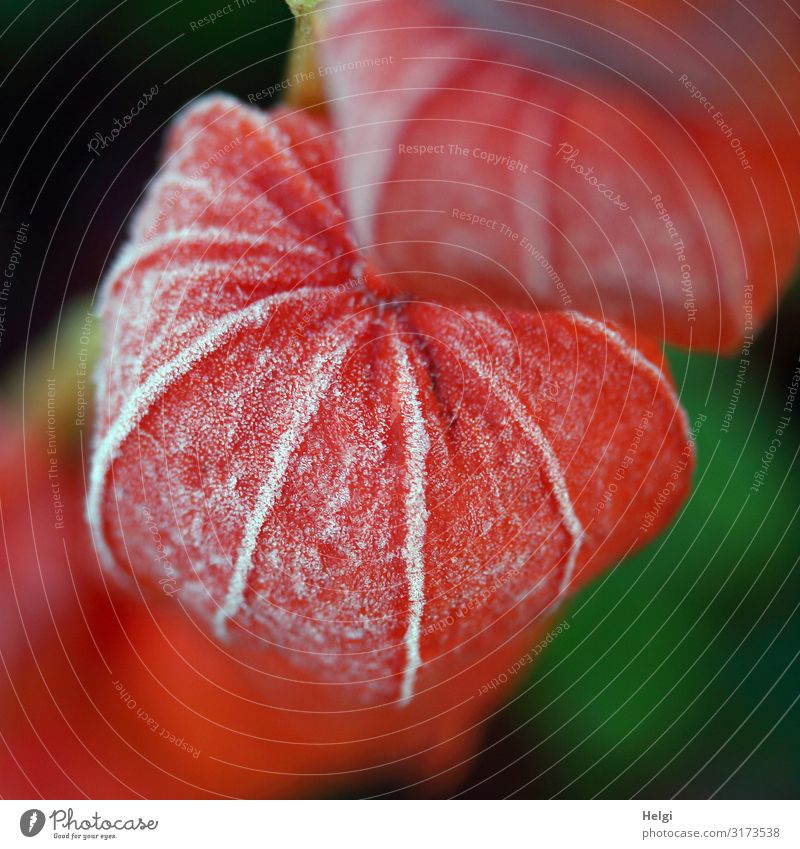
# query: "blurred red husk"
{"points": [[652, 154]]}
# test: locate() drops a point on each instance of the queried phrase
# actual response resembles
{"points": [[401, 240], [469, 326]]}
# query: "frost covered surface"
{"points": [[355, 488]]}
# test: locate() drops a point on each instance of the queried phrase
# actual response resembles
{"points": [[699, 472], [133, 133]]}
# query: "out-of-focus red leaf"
{"points": [[636, 161], [375, 497]]}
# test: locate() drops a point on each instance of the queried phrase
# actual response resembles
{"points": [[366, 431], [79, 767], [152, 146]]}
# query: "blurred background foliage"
{"points": [[67, 70], [679, 673]]}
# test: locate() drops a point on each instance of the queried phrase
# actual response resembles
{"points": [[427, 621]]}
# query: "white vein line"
{"points": [[551, 461], [638, 359], [325, 368], [135, 252], [184, 182], [145, 395], [417, 447]]}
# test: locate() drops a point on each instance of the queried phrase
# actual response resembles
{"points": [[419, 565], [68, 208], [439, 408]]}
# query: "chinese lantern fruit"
{"points": [[376, 496]]}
